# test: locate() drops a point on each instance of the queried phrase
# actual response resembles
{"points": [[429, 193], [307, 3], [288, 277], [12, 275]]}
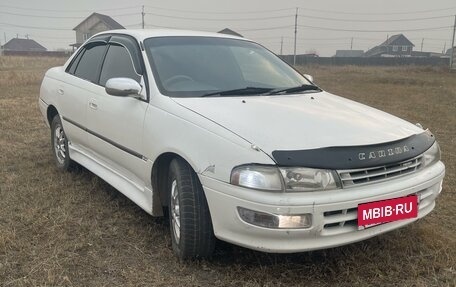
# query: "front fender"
{"points": [[210, 149]]}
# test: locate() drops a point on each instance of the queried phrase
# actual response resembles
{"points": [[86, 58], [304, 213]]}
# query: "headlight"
{"points": [[308, 179], [257, 177], [431, 156], [291, 179]]}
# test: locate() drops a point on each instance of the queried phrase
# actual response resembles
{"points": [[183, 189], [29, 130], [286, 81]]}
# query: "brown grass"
{"points": [[73, 229]]}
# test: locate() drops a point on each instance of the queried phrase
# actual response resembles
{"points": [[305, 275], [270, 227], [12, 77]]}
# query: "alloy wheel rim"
{"points": [[175, 210], [59, 144]]}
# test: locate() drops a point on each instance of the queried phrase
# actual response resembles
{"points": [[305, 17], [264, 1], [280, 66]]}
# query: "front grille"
{"points": [[346, 220], [373, 174]]}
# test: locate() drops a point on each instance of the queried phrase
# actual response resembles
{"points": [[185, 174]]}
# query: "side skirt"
{"points": [[140, 195]]}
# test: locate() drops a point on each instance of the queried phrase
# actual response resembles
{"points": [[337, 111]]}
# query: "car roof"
{"points": [[142, 34]]}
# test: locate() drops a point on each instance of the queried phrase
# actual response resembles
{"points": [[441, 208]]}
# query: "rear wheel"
{"points": [[190, 221], [59, 144]]}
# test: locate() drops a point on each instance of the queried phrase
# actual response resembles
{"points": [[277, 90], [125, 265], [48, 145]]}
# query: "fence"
{"points": [[366, 61], [37, 53]]}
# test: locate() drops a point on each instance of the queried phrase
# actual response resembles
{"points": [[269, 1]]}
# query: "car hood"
{"points": [[299, 122]]}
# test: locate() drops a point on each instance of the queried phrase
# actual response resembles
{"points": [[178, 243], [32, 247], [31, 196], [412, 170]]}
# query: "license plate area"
{"points": [[378, 212]]}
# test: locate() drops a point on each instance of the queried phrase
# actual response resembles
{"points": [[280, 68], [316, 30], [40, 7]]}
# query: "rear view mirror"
{"points": [[123, 87]]}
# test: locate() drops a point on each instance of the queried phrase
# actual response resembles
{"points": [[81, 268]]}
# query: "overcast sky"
{"points": [[323, 26]]}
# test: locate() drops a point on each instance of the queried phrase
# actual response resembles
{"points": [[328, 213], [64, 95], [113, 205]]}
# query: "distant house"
{"points": [[449, 51], [395, 46], [349, 53], [92, 25], [229, 32], [23, 45]]}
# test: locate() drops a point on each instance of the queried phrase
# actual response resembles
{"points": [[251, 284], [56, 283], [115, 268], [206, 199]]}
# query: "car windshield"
{"points": [[188, 66]]}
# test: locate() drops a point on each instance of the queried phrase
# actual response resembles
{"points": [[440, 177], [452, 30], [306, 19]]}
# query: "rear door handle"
{"points": [[60, 91]]}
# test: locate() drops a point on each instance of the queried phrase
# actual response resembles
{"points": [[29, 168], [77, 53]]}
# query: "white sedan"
{"points": [[232, 143]]}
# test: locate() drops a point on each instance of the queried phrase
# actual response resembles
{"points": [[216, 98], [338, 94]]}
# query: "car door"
{"points": [[75, 89], [115, 124]]}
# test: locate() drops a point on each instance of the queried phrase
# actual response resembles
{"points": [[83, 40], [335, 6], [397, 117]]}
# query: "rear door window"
{"points": [[74, 64]]}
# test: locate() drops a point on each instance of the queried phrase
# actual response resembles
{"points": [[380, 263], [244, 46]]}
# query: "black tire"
{"points": [[195, 237], [59, 144]]}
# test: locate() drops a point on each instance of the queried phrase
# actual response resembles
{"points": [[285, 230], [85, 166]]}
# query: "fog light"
{"points": [[269, 220]]}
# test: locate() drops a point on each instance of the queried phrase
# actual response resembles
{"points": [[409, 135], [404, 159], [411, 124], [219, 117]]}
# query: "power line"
{"points": [[234, 12], [41, 16], [330, 40], [262, 29], [372, 31], [220, 19], [301, 16], [310, 39], [219, 12], [66, 10], [233, 19], [304, 9], [250, 29], [59, 17], [237, 29], [437, 39], [375, 20], [428, 39], [175, 27], [54, 38], [36, 28], [379, 13]]}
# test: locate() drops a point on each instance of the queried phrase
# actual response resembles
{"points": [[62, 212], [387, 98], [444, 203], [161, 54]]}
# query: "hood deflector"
{"points": [[352, 157]]}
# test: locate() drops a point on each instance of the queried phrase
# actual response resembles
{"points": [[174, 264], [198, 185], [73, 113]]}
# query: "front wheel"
{"points": [[59, 144], [190, 221]]}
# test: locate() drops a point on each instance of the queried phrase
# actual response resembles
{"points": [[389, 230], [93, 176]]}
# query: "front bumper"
{"points": [[334, 213]]}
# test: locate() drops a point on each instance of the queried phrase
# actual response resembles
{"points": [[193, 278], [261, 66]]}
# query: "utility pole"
{"points": [[422, 42], [295, 34], [281, 46], [4, 35], [444, 48], [142, 15], [351, 44], [452, 45]]}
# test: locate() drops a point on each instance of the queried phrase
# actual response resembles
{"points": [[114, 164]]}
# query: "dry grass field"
{"points": [[73, 229]]}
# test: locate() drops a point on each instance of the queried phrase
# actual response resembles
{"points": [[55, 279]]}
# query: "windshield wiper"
{"points": [[240, 92], [296, 89]]}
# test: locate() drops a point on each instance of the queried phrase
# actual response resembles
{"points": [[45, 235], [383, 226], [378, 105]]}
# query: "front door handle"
{"points": [[92, 105], [60, 91]]}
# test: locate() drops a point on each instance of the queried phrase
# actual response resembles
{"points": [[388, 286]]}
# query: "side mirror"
{"points": [[123, 87], [309, 77]]}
